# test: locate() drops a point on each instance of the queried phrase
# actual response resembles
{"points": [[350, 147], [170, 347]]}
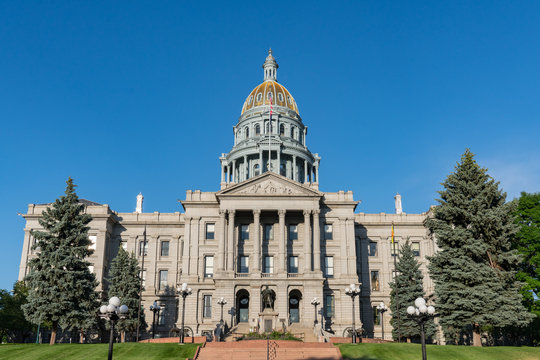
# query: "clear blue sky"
{"points": [[130, 97]]}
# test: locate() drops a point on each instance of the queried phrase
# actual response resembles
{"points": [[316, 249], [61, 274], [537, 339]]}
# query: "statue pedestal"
{"points": [[268, 320]]}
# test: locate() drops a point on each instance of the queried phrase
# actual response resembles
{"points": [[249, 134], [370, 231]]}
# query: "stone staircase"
{"points": [[309, 335], [278, 349]]}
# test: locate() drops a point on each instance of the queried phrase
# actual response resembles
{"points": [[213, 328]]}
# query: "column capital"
{"points": [[307, 212], [316, 212], [222, 213], [231, 212], [187, 218], [257, 212], [282, 212]]}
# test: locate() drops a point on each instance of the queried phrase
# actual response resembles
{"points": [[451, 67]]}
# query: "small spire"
{"points": [[140, 198], [399, 209], [270, 67]]}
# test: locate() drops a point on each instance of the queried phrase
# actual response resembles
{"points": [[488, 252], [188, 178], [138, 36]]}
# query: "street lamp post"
{"points": [[113, 312], [382, 309], [421, 314], [184, 291], [222, 302], [315, 302], [155, 308], [353, 291]]}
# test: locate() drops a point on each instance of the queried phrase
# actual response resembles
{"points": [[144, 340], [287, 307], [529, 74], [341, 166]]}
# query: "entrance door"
{"points": [[294, 311]]}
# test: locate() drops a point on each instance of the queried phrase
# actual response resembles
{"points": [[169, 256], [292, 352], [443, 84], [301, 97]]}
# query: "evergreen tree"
{"points": [[474, 271], [13, 325], [527, 242], [61, 288], [124, 282], [409, 285]]}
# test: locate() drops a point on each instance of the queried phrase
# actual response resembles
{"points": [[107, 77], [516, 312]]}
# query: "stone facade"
{"points": [[263, 228]]}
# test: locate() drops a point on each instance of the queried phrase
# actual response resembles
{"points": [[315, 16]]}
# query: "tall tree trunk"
{"points": [[123, 336], [477, 337], [53, 333], [81, 337]]}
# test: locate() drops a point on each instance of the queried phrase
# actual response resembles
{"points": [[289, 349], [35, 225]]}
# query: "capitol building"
{"points": [[268, 228]]}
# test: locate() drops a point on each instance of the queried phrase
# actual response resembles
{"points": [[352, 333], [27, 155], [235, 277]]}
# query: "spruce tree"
{"points": [[474, 271], [409, 285], [61, 288], [124, 282]]}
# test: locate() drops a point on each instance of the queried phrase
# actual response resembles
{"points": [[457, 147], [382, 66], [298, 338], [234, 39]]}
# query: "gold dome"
{"points": [[260, 96]]}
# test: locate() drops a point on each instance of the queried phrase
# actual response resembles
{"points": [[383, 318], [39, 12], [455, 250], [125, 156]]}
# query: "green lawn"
{"points": [[96, 351], [393, 351]]}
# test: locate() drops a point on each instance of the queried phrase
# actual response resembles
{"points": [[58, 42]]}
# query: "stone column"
{"points": [[305, 171], [234, 176], [282, 252], [222, 173], [194, 256], [221, 239], [244, 177], [228, 173], [316, 241], [307, 240], [230, 242], [256, 241], [187, 240], [294, 172], [351, 238], [279, 160], [260, 161], [343, 245], [317, 173]]}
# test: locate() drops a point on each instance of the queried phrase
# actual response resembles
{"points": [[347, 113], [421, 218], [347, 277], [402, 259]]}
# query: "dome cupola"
{"points": [[270, 67]]}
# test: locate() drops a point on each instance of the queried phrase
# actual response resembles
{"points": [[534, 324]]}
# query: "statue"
{"points": [[399, 210], [140, 198], [268, 298]]}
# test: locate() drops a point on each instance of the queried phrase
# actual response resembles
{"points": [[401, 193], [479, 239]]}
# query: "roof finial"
{"points": [[270, 67]]}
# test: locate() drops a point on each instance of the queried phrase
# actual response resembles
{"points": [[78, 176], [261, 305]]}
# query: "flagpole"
{"points": [[397, 287], [141, 283]]}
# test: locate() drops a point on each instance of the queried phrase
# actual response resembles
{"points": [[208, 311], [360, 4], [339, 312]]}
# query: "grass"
{"points": [[393, 351], [96, 351]]}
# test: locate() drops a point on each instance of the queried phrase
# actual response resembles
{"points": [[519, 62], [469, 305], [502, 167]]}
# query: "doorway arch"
{"points": [[295, 296], [242, 304]]}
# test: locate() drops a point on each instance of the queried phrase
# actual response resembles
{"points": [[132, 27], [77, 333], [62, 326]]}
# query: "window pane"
{"points": [[163, 274], [161, 318], [164, 248], [375, 281], [394, 248], [268, 264], [91, 268], [416, 248], [210, 231], [124, 245], [244, 232], [372, 248], [376, 316], [329, 266], [244, 264], [207, 306], [143, 276], [328, 232], [293, 232], [141, 244], [209, 266], [293, 264], [329, 306]]}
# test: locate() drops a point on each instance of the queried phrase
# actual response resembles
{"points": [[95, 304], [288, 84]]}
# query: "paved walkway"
{"points": [[279, 350]]}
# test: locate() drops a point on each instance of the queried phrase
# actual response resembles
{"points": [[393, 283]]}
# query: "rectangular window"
{"points": [[209, 266], [372, 248], [210, 231], [164, 248], [394, 248], [329, 306], [141, 244], [268, 265], [293, 264], [244, 264], [328, 232], [376, 316], [142, 274], [244, 232], [394, 273], [375, 281], [416, 248], [293, 232], [161, 318], [91, 268], [268, 232], [93, 241], [163, 274], [329, 266], [124, 245], [207, 306]]}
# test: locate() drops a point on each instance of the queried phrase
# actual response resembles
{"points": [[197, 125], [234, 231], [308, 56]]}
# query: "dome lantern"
{"points": [[270, 67]]}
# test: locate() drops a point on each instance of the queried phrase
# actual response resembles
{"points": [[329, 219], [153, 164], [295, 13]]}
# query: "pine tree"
{"points": [[61, 288], [409, 285], [474, 271], [124, 282]]}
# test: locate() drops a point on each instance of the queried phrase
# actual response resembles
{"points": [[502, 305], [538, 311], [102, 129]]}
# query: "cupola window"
{"points": [[246, 130], [257, 130], [269, 95], [250, 100], [259, 97], [282, 130], [280, 97], [292, 132], [256, 170]]}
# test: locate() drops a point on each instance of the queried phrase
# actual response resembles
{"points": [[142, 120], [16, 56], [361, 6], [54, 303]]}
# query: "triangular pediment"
{"points": [[270, 184]]}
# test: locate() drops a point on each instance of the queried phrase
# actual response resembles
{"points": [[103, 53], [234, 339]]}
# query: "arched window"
{"points": [[292, 132], [257, 130], [301, 138], [256, 170], [246, 131], [282, 170], [282, 130], [267, 127]]}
